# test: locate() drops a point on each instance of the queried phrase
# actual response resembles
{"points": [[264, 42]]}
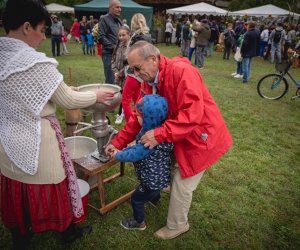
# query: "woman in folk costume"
{"points": [[39, 190]]}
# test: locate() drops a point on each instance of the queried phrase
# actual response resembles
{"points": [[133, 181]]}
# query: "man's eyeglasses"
{"points": [[135, 68], [138, 68]]}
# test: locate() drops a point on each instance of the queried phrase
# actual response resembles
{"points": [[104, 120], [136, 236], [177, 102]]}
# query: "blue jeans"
{"points": [[109, 75], [200, 52], [246, 65], [138, 200], [55, 42], [239, 68], [191, 51], [262, 46], [185, 45], [84, 44], [276, 47], [210, 48]]}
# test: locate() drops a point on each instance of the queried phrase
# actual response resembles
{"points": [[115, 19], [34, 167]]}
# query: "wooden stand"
{"points": [[91, 167]]}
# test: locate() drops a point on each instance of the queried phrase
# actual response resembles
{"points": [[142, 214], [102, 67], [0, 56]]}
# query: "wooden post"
{"points": [[72, 117]]}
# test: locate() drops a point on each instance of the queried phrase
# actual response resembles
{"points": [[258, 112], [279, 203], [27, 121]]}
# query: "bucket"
{"points": [[80, 146], [84, 189]]}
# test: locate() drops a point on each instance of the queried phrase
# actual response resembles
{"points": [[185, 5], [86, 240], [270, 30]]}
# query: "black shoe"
{"points": [[73, 232], [20, 242]]}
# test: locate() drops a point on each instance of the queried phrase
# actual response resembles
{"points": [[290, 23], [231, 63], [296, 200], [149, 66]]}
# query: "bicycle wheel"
{"points": [[272, 86]]}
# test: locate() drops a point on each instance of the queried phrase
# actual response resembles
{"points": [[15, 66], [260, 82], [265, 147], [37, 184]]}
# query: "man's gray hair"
{"points": [[113, 2], [145, 49]]}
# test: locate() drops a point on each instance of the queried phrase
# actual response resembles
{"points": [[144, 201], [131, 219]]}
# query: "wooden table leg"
{"points": [[101, 190], [122, 168], [115, 203]]}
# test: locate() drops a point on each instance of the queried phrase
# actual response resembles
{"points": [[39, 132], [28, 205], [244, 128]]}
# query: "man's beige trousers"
{"points": [[181, 199]]}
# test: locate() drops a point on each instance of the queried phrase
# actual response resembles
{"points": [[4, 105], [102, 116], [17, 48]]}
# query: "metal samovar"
{"points": [[101, 130]]}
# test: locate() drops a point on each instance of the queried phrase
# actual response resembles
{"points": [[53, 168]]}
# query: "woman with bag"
{"points": [[238, 57]]}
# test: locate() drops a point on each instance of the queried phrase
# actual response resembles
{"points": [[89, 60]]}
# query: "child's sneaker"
{"points": [[131, 223], [119, 119]]}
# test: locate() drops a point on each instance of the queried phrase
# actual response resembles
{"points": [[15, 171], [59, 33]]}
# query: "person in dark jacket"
{"points": [[249, 49], [185, 39], [214, 35], [201, 40], [178, 33], [108, 37], [229, 41], [152, 166]]}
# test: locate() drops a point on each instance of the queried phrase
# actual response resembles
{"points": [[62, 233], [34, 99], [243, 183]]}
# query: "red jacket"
{"points": [[131, 93], [194, 122]]}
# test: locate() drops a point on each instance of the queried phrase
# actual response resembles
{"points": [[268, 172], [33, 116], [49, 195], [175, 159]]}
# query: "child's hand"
{"points": [[111, 151]]}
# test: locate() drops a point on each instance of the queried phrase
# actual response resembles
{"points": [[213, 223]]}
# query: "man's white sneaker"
{"points": [[234, 74], [238, 76], [119, 119]]}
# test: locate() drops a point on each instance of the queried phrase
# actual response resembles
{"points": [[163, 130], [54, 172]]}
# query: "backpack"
{"points": [[228, 38], [277, 36]]}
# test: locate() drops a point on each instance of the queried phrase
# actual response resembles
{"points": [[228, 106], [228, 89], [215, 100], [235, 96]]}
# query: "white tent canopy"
{"points": [[58, 8], [265, 11], [198, 8]]}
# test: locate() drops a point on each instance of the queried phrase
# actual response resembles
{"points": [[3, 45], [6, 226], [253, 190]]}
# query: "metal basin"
{"points": [[80, 146], [99, 107]]}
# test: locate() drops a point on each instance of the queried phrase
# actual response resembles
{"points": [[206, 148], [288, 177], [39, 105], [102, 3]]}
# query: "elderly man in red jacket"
{"points": [[194, 124]]}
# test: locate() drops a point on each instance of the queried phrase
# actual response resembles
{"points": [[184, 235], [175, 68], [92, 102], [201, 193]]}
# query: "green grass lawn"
{"points": [[250, 199]]}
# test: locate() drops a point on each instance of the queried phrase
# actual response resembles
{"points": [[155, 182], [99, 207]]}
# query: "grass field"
{"points": [[249, 200]]}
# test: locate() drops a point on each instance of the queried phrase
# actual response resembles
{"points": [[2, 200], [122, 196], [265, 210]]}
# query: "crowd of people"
{"points": [[173, 115], [269, 41], [201, 37]]}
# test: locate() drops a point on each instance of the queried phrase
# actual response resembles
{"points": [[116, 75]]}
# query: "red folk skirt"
{"points": [[42, 207]]}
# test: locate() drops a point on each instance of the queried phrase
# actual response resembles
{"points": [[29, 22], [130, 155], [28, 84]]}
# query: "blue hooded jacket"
{"points": [[152, 165]]}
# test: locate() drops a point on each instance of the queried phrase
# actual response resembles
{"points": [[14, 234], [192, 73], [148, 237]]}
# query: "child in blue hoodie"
{"points": [[152, 166]]}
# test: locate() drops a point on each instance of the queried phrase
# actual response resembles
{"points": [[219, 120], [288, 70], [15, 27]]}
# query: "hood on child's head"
{"points": [[154, 110]]}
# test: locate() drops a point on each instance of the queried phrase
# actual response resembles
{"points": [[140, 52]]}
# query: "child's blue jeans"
{"points": [[138, 200]]}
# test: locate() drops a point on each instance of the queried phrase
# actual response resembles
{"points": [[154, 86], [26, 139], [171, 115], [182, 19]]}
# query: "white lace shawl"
{"points": [[28, 79]]}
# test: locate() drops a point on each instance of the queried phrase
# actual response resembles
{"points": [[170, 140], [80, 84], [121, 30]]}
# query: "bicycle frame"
{"points": [[282, 74], [297, 83]]}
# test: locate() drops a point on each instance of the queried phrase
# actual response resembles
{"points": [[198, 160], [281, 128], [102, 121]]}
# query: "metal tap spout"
{"points": [[87, 126]]}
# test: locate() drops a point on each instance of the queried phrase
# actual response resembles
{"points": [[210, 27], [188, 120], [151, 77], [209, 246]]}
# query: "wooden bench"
{"points": [[90, 166]]}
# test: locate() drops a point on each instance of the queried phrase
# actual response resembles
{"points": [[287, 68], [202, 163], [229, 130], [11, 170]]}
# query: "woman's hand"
{"points": [[104, 96]]}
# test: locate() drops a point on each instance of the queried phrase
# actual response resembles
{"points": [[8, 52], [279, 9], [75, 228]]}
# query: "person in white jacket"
{"points": [[264, 37], [168, 32]]}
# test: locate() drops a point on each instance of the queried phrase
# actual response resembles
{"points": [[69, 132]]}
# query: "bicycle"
{"points": [[275, 86]]}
